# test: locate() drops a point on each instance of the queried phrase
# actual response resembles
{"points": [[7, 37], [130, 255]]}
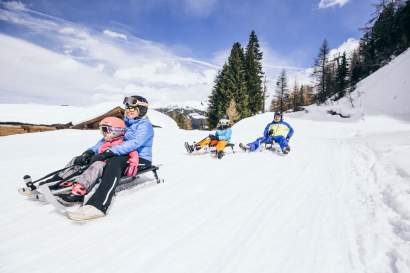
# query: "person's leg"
{"points": [[213, 143], [281, 141], [89, 177], [202, 143], [220, 145], [71, 169], [101, 199], [255, 145]]}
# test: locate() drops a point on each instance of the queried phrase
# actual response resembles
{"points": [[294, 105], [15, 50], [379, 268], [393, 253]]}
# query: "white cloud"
{"points": [[67, 30], [31, 73], [201, 8], [330, 3], [90, 65], [15, 5], [115, 34]]}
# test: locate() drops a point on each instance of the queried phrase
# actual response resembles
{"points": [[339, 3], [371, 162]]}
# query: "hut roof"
{"points": [[93, 123]]}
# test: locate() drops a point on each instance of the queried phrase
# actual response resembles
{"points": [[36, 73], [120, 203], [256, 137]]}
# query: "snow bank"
{"points": [[53, 114], [339, 202], [385, 92]]}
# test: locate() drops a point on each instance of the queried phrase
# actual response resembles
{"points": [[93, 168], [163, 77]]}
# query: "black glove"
{"points": [[212, 137], [84, 159], [101, 157], [270, 133], [287, 139]]}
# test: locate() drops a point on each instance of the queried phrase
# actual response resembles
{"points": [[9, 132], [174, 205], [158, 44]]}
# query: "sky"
{"points": [[74, 52]]}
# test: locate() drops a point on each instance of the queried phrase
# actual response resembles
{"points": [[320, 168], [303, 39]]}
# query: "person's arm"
{"points": [[266, 131], [291, 131], [85, 157], [140, 136], [96, 146]]}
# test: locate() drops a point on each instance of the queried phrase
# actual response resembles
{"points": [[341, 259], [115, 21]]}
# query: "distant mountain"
{"points": [[186, 117]]}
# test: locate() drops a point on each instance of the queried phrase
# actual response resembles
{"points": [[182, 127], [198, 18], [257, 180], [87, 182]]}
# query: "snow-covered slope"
{"points": [[339, 202], [385, 92], [54, 114]]}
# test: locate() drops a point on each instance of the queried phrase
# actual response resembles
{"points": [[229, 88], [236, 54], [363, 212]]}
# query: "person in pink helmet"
{"points": [[139, 136], [113, 130]]}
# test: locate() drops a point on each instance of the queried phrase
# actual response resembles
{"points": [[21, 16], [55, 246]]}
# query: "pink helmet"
{"points": [[113, 122], [112, 127]]}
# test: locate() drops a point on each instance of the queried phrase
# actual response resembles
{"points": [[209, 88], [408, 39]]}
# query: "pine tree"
{"points": [[265, 94], [282, 93], [341, 76], [403, 22], [218, 99], [302, 96], [384, 33], [355, 70], [295, 99], [235, 80], [321, 71], [254, 74]]}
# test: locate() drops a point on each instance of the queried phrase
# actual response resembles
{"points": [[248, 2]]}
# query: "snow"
{"points": [[385, 92], [339, 202], [54, 114]]}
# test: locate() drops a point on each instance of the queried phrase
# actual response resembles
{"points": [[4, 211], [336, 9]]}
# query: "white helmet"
{"points": [[224, 122]]}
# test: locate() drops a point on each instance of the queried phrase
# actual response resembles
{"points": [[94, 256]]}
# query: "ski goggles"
{"points": [[131, 108], [109, 130], [131, 102]]}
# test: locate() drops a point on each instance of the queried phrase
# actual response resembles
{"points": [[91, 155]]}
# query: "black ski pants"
{"points": [[113, 170]]}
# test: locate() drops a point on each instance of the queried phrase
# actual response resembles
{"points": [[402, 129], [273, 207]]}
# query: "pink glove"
{"points": [[132, 167], [131, 170]]}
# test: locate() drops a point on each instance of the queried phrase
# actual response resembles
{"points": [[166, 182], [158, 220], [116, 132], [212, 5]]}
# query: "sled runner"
{"points": [[207, 149], [274, 147], [48, 191], [270, 146]]}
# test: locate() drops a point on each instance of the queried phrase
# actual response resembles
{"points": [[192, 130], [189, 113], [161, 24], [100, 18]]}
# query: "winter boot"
{"points": [[286, 150], [244, 148], [189, 148], [86, 212], [220, 154], [74, 197]]}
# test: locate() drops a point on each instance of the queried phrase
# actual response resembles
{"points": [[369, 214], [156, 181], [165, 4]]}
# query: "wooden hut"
{"points": [[93, 123], [13, 128]]}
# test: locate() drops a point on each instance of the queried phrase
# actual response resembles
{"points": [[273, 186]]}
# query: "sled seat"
{"points": [[142, 170], [269, 145], [229, 145]]}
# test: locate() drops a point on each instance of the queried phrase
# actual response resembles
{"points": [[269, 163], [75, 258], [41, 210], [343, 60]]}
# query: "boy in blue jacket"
{"points": [[277, 131], [220, 139]]}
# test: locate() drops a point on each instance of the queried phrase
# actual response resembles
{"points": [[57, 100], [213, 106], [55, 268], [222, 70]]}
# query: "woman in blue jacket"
{"points": [[220, 139], [138, 137], [277, 131]]}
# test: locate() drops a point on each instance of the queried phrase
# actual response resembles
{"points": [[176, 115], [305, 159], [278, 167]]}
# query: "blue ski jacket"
{"points": [[280, 128], [138, 137], [224, 134]]}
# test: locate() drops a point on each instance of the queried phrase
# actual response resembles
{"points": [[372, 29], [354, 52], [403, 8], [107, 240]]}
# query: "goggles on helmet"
{"points": [[108, 130], [131, 102], [131, 108]]}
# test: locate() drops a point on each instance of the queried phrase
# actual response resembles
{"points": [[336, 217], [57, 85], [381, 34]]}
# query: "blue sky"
{"points": [[200, 28], [192, 36]]}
